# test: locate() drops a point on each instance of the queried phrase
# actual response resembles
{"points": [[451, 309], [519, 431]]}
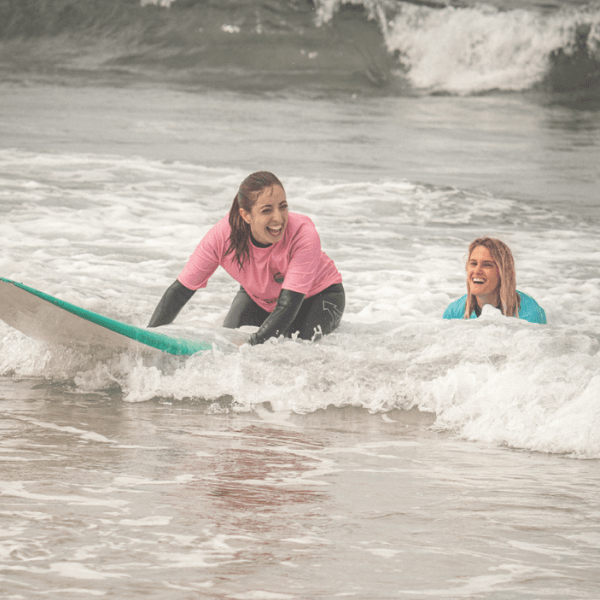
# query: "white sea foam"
{"points": [[467, 50], [78, 571], [84, 435], [156, 521], [18, 490], [111, 245]]}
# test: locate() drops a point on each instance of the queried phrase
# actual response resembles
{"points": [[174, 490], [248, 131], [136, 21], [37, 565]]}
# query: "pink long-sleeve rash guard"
{"points": [[295, 263]]}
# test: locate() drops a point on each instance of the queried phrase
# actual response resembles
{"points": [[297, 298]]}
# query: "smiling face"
{"points": [[483, 276], [269, 215]]}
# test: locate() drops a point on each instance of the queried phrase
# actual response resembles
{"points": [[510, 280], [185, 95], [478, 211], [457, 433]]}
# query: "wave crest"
{"points": [[474, 50], [388, 47]]}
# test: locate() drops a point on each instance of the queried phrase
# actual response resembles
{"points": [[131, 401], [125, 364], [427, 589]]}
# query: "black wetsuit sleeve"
{"points": [[277, 323], [173, 300]]}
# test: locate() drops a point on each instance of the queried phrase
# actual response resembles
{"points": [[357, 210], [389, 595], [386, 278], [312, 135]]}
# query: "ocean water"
{"points": [[403, 456]]}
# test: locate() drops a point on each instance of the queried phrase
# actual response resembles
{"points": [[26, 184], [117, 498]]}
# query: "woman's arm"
{"points": [[277, 323], [173, 300]]}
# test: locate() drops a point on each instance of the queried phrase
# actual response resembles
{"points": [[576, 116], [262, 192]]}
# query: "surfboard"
{"points": [[54, 321]]}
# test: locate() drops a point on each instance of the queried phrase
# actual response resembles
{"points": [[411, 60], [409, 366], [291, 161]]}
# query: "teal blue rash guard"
{"points": [[530, 310]]}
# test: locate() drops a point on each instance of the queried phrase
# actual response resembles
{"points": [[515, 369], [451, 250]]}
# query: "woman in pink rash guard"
{"points": [[288, 284]]}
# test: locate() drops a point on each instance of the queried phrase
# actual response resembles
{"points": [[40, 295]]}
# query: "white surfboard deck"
{"points": [[54, 321]]}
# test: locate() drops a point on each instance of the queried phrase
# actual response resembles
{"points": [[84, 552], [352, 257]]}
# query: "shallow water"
{"points": [[513, 147], [402, 456], [105, 498]]}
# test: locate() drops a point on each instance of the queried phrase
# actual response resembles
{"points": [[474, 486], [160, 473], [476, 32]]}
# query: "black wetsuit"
{"points": [[311, 318]]}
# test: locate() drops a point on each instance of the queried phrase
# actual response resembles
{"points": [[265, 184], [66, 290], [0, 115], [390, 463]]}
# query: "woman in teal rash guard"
{"points": [[491, 280]]}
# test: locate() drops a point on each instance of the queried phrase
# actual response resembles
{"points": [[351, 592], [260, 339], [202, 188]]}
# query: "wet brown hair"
{"points": [[250, 189], [509, 299]]}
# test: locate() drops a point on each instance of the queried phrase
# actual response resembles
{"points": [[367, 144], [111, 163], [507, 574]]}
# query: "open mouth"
{"points": [[478, 280], [275, 231]]}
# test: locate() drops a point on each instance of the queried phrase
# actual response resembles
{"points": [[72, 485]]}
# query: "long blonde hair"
{"points": [[509, 299]]}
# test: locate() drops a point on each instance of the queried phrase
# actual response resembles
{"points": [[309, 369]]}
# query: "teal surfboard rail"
{"points": [[171, 345]]}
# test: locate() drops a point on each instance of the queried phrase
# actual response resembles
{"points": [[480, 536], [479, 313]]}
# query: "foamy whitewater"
{"points": [[403, 456]]}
